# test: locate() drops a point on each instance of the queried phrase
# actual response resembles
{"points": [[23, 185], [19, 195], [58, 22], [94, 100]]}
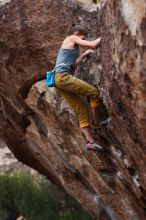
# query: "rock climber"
{"points": [[71, 87]]}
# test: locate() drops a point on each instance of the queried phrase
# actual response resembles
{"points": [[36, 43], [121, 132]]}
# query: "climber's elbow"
{"points": [[94, 46]]}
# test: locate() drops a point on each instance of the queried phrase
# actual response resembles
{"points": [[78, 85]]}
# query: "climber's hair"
{"points": [[79, 28]]}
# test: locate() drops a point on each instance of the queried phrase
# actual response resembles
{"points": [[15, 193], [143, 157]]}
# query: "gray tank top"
{"points": [[66, 59]]}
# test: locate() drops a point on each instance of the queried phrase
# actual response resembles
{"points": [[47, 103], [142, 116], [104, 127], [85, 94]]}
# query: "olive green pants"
{"points": [[71, 88]]}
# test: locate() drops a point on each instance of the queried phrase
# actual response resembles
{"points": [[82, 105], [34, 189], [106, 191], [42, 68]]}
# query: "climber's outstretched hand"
{"points": [[88, 52]]}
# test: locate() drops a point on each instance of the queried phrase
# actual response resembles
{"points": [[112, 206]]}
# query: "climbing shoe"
{"points": [[94, 147], [101, 123], [104, 122]]}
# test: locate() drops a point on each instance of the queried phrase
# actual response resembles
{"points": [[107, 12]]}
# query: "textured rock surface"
{"points": [[42, 131], [10, 164], [31, 34]]}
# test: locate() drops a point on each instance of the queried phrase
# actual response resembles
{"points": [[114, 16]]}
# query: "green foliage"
{"points": [[37, 199]]}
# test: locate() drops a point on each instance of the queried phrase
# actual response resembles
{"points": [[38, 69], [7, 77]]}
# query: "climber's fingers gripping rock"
{"points": [[89, 52]]}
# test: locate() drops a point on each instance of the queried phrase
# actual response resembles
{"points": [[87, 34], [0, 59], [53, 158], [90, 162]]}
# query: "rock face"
{"points": [[9, 163], [41, 129]]}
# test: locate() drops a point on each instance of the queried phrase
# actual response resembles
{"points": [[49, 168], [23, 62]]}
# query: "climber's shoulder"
{"points": [[68, 42]]}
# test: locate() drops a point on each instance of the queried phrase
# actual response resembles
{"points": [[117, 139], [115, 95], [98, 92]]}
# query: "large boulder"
{"points": [[41, 129]]}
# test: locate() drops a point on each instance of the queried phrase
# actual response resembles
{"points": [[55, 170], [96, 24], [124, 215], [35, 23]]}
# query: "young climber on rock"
{"points": [[71, 88]]}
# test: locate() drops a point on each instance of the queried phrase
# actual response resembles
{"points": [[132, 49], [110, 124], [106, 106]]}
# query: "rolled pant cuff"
{"points": [[84, 124], [94, 103]]}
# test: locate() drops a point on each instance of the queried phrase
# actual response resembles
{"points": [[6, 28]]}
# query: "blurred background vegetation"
{"points": [[37, 199]]}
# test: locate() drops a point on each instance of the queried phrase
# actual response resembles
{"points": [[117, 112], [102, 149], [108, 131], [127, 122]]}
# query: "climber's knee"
{"points": [[94, 97]]}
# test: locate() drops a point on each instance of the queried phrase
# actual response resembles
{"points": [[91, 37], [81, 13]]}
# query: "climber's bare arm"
{"points": [[82, 56], [71, 41], [84, 43], [79, 59]]}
